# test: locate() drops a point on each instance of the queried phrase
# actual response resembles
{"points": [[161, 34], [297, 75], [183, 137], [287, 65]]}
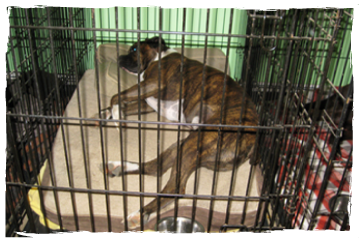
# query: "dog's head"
{"points": [[148, 50]]}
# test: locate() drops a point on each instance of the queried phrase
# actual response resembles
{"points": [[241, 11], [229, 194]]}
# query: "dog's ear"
{"points": [[154, 43], [154, 40]]}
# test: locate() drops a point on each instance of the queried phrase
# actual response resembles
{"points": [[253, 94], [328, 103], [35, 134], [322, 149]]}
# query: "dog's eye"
{"points": [[134, 49]]}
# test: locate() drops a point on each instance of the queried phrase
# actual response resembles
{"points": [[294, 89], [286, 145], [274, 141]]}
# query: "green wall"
{"points": [[172, 22]]}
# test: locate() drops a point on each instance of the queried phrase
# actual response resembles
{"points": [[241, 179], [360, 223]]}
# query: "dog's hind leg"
{"points": [[178, 178], [170, 188], [187, 164]]}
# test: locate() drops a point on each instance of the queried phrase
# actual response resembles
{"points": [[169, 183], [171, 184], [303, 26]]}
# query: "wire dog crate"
{"points": [[62, 69]]}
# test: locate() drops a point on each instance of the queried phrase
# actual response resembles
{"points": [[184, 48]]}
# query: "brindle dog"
{"points": [[212, 113]]}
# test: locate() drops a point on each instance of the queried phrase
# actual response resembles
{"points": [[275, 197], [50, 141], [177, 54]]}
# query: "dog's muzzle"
{"points": [[127, 63]]}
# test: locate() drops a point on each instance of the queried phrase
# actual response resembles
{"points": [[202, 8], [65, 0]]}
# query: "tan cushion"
{"points": [[111, 137]]}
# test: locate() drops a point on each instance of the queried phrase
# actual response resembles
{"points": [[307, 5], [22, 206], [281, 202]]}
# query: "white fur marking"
{"points": [[115, 163], [115, 112], [141, 78], [107, 114], [131, 166], [164, 53], [196, 121], [134, 220], [168, 108], [116, 115], [128, 166]]}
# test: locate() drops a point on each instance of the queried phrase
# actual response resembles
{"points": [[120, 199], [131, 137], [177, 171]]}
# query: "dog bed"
{"points": [[69, 145]]}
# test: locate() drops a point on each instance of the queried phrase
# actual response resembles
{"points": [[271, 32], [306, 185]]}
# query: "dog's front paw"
{"points": [[112, 169], [104, 114], [117, 115], [134, 220]]}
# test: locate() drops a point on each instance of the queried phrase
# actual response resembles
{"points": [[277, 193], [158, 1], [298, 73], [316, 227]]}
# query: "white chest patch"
{"points": [[196, 121], [165, 53], [141, 78], [168, 108]]}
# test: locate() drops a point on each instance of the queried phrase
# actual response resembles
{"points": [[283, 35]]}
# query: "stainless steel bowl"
{"points": [[184, 225]]}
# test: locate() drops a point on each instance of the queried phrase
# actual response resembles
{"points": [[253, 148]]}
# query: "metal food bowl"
{"points": [[184, 225]]}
